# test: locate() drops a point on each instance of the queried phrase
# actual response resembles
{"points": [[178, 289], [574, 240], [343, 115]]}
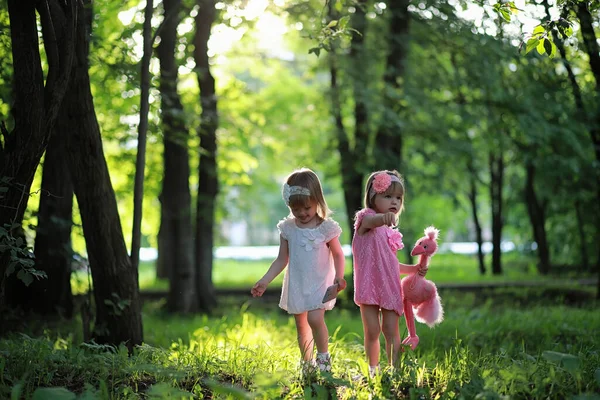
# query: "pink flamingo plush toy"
{"points": [[421, 299]]}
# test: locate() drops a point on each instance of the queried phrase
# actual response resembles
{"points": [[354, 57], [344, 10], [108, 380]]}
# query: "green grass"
{"points": [[444, 268], [489, 348]]}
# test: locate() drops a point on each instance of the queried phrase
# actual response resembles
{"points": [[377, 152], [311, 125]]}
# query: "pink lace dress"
{"points": [[310, 269], [376, 267]]}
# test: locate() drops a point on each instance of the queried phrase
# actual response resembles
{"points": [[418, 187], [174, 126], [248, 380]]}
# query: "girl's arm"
{"points": [[371, 221], [339, 261], [275, 269], [409, 269]]}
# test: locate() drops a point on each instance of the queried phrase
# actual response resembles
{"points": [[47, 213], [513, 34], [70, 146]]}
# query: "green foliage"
{"points": [[505, 9], [465, 93], [541, 40], [116, 304], [20, 259], [329, 34]]}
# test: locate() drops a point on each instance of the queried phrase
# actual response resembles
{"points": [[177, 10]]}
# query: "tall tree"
{"points": [[472, 172], [537, 217], [388, 142], [351, 146], [592, 48], [175, 244], [207, 169], [590, 43], [579, 104], [496, 168], [53, 251], [140, 162], [118, 312], [35, 109]]}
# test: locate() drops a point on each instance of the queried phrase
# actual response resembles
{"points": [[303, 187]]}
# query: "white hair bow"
{"points": [[293, 190]]}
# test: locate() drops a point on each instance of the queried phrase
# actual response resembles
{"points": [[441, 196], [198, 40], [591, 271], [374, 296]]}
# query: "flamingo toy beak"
{"points": [[417, 250]]}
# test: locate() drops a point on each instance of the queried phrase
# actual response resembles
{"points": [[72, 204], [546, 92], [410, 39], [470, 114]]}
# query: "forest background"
{"points": [[491, 111]]}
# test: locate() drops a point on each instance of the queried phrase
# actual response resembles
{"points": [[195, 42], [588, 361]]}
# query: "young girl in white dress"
{"points": [[309, 243]]}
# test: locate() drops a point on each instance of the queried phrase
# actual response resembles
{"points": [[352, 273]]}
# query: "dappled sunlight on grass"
{"points": [[485, 348]]}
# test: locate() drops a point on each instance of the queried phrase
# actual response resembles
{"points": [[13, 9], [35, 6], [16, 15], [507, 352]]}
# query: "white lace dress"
{"points": [[310, 269]]}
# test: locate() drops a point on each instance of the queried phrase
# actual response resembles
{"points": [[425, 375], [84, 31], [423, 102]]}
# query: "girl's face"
{"points": [[305, 214], [390, 201]]}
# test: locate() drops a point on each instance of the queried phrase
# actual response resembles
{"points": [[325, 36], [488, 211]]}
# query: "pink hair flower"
{"points": [[381, 182]]}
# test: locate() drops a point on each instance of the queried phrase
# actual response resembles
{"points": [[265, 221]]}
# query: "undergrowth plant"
{"points": [[491, 350]]}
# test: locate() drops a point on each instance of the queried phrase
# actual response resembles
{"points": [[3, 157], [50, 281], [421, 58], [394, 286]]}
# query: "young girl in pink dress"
{"points": [[377, 289], [309, 243]]}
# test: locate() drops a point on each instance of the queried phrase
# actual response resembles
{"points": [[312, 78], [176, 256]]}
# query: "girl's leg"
{"points": [[372, 330], [305, 337], [316, 320], [391, 333]]}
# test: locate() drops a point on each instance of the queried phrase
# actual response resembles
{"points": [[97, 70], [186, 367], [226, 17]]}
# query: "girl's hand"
{"points": [[423, 271], [259, 288], [389, 219], [341, 282]]}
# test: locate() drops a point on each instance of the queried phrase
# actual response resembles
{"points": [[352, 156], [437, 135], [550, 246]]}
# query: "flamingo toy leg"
{"points": [[412, 340]]}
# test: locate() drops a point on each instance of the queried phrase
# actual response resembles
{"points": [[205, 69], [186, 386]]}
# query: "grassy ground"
{"points": [[510, 343], [488, 348]]}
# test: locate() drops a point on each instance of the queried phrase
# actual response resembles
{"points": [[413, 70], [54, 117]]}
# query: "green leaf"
{"points": [[539, 29], [25, 277], [226, 389], [554, 49], [570, 362], [540, 47], [10, 269], [568, 31], [15, 393], [54, 393], [338, 6], [548, 46], [505, 15], [315, 50], [343, 22], [332, 23], [165, 391]]}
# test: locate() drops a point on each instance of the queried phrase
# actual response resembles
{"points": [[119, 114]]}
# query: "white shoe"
{"points": [[324, 363]]}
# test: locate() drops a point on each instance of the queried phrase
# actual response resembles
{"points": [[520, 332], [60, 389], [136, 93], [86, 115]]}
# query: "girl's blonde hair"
{"points": [[394, 186], [306, 178]]}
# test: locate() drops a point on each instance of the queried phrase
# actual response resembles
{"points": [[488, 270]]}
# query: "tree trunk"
{"points": [[388, 142], [162, 272], [496, 181], [583, 245], [140, 162], [590, 43], [355, 161], [473, 201], [53, 251], [35, 109], [472, 171], [176, 241], [207, 170], [351, 175], [116, 293], [538, 219], [581, 110]]}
